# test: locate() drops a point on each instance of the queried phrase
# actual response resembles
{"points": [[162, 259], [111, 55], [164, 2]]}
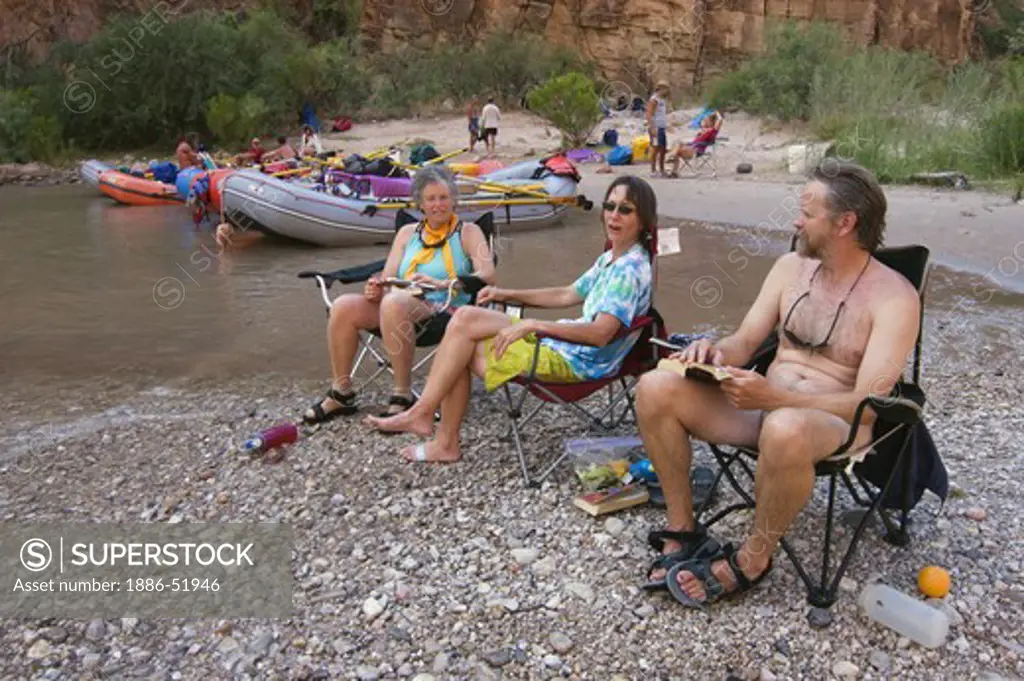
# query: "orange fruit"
{"points": [[933, 581]]}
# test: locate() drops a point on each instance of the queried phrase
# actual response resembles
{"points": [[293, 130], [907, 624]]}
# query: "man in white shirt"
{"points": [[490, 116]]}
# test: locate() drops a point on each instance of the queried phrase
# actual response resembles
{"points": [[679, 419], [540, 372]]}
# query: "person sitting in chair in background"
{"points": [[310, 144], [254, 155], [434, 251], [848, 323], [497, 347], [284, 151], [185, 152], [710, 126]]}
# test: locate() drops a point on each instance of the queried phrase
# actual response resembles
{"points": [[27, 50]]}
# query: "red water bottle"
{"points": [[284, 434]]}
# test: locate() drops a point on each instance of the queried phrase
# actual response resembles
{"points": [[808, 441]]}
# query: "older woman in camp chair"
{"points": [[496, 347], [435, 251]]}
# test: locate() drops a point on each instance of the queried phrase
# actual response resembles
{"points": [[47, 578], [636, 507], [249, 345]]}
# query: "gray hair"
{"points": [[853, 188], [431, 175]]}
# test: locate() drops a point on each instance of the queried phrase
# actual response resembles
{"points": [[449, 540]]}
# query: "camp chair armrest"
{"points": [[472, 285], [903, 407], [347, 275], [639, 323]]}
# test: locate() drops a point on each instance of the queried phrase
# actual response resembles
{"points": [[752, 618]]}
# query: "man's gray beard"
{"points": [[804, 248]]}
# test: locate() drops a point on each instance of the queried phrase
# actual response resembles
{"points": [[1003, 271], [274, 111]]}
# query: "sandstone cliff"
{"points": [[631, 40], [641, 40]]}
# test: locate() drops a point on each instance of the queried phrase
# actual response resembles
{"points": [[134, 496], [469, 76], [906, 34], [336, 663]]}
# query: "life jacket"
{"points": [[562, 167]]}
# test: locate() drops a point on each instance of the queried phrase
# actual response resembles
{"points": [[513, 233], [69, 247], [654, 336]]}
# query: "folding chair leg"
{"points": [[875, 504], [821, 593], [514, 414], [821, 596]]}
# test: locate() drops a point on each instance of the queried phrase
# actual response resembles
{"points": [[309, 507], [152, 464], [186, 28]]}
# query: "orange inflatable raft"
{"points": [[137, 191]]}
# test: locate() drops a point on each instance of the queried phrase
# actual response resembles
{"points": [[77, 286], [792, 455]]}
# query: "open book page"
{"points": [[708, 373]]}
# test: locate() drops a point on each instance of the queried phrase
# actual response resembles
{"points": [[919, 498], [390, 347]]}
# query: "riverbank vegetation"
{"points": [[143, 81], [898, 113], [227, 76]]}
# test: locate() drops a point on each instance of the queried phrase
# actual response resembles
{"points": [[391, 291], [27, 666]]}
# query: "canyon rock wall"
{"points": [[635, 41], [642, 40]]}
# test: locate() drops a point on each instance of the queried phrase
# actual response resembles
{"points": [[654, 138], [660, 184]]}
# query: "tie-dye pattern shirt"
{"points": [[622, 289]]}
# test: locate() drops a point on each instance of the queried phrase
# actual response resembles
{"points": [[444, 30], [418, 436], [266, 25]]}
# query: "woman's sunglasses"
{"points": [[620, 208]]}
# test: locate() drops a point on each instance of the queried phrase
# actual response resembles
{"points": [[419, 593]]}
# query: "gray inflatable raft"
{"points": [[298, 211]]}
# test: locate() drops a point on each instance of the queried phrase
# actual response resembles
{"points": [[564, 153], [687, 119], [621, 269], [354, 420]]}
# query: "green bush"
{"points": [[25, 133], [571, 104], [779, 82], [1001, 145], [233, 120]]}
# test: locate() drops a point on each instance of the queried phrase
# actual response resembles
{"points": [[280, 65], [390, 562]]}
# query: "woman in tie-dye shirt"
{"points": [[496, 347]]}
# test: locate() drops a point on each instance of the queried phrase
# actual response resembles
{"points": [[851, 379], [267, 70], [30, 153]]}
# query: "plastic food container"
{"points": [[601, 462]]}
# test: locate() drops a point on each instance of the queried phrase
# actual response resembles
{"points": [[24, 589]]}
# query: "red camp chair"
{"points": [[642, 357]]}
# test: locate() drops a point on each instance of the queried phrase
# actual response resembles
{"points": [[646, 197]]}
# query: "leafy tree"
{"points": [[570, 103]]}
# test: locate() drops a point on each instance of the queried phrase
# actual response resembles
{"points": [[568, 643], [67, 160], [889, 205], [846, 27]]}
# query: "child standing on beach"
{"points": [[473, 114]]}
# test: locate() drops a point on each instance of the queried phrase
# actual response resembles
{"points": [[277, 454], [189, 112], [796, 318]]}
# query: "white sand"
{"points": [[975, 231]]}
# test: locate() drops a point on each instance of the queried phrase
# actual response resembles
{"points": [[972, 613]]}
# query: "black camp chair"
{"points": [[428, 333], [887, 471]]}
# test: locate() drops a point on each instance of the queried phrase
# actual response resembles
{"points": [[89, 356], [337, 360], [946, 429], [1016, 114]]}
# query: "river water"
{"points": [[96, 291]]}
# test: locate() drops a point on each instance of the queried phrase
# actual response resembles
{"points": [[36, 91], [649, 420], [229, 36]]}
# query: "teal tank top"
{"points": [[435, 268]]}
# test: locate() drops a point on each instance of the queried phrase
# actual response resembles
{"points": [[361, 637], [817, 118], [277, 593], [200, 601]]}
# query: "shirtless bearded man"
{"points": [[848, 323]]}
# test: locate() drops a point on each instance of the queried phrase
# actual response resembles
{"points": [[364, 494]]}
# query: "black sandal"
{"points": [[397, 401], [348, 408], [714, 590], [695, 545]]}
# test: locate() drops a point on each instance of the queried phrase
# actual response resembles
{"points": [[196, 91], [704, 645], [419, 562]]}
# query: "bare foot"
{"points": [[723, 572], [670, 546], [431, 452], [409, 421]]}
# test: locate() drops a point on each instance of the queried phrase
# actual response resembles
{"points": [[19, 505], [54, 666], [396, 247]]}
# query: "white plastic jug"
{"points": [[905, 615]]}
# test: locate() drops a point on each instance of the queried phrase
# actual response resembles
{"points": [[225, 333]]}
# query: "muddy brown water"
{"points": [[90, 289]]}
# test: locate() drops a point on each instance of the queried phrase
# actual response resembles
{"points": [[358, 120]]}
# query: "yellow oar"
{"points": [[293, 171], [378, 153], [578, 200], [444, 157], [508, 188], [440, 159]]}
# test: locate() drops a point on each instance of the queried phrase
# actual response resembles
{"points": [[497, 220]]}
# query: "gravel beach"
{"points": [[458, 572], [420, 572]]}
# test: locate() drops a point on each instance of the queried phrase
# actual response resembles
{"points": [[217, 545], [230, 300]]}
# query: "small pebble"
{"points": [[372, 609], [524, 556], [560, 642], [845, 669], [614, 526]]}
